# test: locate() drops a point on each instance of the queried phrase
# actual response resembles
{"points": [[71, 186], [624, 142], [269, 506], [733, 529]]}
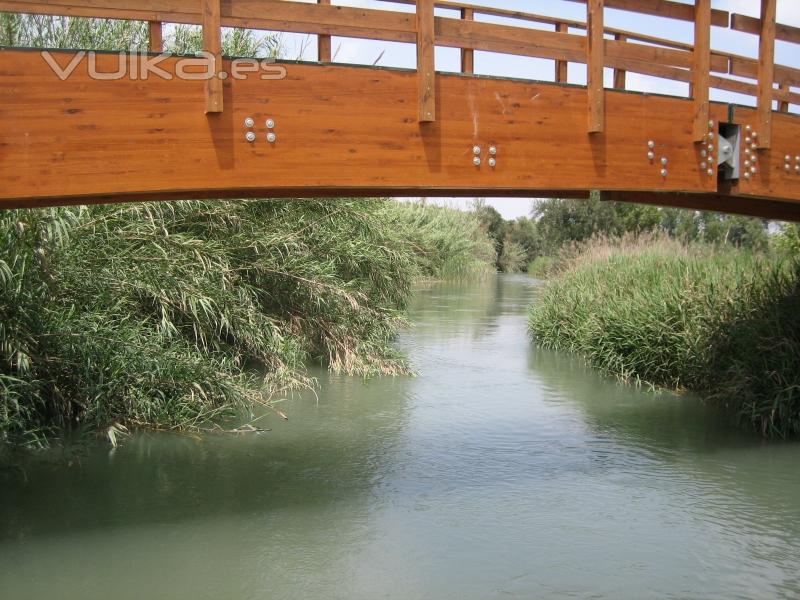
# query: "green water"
{"points": [[500, 471]]}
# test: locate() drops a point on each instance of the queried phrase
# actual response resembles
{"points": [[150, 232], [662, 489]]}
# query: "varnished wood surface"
{"points": [[341, 130]]}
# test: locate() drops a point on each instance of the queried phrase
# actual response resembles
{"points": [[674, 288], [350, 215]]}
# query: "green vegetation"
{"points": [[150, 314], [721, 322]]}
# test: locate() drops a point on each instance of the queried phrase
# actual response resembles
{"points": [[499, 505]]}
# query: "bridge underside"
{"points": [[344, 130]]}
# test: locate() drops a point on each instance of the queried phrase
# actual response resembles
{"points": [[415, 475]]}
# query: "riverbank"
{"points": [[724, 323], [148, 315]]}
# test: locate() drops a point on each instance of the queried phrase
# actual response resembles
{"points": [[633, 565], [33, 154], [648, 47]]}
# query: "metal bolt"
{"points": [[651, 144], [797, 168], [797, 158], [710, 172], [753, 170], [476, 161], [754, 146], [755, 134], [747, 127], [747, 174], [663, 172], [710, 135], [664, 160], [650, 155], [747, 151], [703, 153], [703, 165], [271, 137], [710, 148], [248, 122], [250, 136], [711, 124], [747, 163], [476, 150], [787, 167], [492, 150], [747, 140], [492, 162], [787, 158], [270, 123]]}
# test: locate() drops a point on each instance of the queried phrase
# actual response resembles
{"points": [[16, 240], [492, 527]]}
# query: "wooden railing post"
{"points": [[467, 54], [155, 36], [595, 49], [212, 44], [562, 66], [783, 105], [620, 75], [324, 42], [766, 72], [426, 73], [701, 68]]}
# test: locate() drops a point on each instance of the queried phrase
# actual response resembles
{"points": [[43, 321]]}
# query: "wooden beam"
{"points": [[426, 63], [783, 105], [746, 24], [595, 50], [155, 36], [620, 74], [212, 44], [467, 54], [562, 66], [766, 72], [701, 68], [323, 42], [664, 8]]}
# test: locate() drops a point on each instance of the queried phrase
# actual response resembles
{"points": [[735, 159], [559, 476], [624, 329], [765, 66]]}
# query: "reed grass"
{"points": [[724, 323], [150, 314]]}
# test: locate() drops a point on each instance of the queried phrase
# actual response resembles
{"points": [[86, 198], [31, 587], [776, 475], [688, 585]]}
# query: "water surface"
{"points": [[501, 470]]}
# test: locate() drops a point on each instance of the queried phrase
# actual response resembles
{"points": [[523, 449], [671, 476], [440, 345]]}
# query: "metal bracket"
{"points": [[728, 144]]}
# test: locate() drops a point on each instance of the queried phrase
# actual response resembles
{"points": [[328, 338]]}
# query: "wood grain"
{"points": [[766, 72], [701, 67], [212, 44], [426, 63], [595, 59]]}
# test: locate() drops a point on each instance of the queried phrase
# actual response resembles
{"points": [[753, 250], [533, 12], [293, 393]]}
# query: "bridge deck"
{"points": [[346, 130]]}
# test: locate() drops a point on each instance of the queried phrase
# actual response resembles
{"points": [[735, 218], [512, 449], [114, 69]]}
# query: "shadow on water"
{"points": [[327, 452]]}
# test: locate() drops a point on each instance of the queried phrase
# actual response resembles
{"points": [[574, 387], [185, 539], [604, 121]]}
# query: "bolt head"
{"points": [[787, 158], [787, 167], [476, 150], [249, 122], [747, 163], [703, 153], [271, 137], [747, 174], [797, 158], [710, 148], [476, 161], [492, 150], [250, 136], [711, 124], [710, 172], [650, 155], [710, 135], [664, 160], [754, 146], [797, 168], [747, 151], [703, 165], [651, 144], [755, 134], [492, 162], [747, 140], [747, 128], [663, 172], [270, 123], [753, 170]]}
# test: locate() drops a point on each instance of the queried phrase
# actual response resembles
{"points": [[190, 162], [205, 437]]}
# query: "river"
{"points": [[499, 471]]}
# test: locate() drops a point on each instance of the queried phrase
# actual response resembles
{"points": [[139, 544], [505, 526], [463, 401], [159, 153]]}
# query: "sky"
{"points": [[393, 54]]}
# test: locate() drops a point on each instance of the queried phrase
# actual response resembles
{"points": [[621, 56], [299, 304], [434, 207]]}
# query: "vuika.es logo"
{"points": [[142, 66]]}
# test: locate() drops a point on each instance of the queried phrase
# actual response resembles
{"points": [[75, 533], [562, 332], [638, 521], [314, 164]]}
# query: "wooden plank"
{"points": [[212, 45], [766, 72], [155, 36], [467, 54], [664, 8], [748, 67], [786, 33], [701, 68], [323, 42], [426, 63], [74, 138], [562, 66], [595, 50], [620, 74]]}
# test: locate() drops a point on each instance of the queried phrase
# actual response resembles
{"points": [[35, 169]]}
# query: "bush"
{"points": [[723, 323]]}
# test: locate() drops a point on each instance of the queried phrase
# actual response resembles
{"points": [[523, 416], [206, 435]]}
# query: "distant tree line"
{"points": [[555, 223]]}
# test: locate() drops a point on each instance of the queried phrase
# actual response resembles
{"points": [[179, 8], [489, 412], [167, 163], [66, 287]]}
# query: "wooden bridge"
{"points": [[73, 130]]}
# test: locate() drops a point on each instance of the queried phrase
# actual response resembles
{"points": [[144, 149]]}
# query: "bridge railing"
{"points": [[587, 42]]}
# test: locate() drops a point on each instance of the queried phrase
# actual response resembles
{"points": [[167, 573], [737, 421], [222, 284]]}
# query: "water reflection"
{"points": [[500, 470]]}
